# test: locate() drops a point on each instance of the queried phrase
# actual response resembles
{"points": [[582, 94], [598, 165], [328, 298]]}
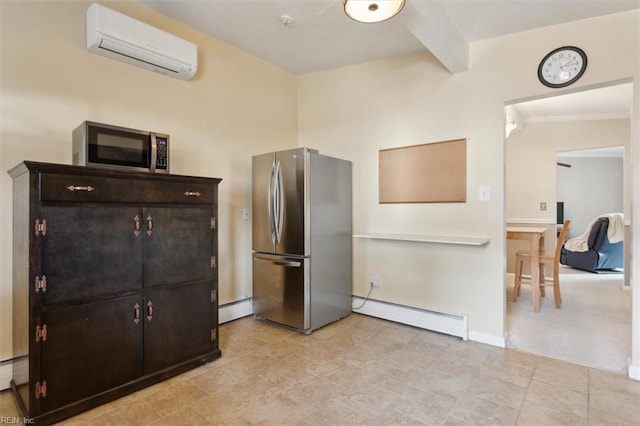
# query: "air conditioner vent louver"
{"points": [[117, 47], [123, 38]]}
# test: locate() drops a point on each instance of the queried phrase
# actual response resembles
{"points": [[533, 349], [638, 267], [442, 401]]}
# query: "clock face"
{"points": [[562, 66]]}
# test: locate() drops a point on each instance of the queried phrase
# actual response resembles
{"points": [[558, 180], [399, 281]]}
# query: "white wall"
{"points": [[355, 111], [236, 106]]}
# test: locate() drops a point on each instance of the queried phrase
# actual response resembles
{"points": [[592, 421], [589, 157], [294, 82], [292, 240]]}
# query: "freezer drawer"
{"points": [[281, 289]]}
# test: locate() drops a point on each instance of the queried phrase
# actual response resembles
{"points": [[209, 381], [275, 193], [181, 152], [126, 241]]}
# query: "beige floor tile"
{"points": [[173, 398], [139, 411], [514, 356], [532, 414], [426, 407], [434, 340], [389, 378], [438, 382], [88, 416], [8, 407], [474, 410], [223, 406], [411, 358], [336, 412], [213, 380], [558, 398], [183, 417], [455, 366], [366, 398], [508, 371], [110, 418], [604, 418], [276, 410], [623, 405], [395, 418], [367, 371], [454, 421], [498, 391], [605, 380], [345, 375], [315, 390], [562, 373], [470, 353]]}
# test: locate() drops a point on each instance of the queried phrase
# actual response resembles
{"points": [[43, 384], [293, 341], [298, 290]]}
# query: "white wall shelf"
{"points": [[437, 239]]}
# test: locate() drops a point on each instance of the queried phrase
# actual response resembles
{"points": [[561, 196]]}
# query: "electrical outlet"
{"points": [[375, 282], [543, 206], [245, 214]]}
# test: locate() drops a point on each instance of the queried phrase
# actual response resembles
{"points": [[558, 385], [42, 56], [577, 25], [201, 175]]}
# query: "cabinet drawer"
{"points": [[155, 189], [178, 192]]}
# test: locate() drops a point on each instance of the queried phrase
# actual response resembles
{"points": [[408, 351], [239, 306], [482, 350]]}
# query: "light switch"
{"points": [[245, 214], [484, 193]]}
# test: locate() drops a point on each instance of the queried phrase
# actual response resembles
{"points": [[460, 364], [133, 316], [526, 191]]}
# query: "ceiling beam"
{"points": [[428, 22]]}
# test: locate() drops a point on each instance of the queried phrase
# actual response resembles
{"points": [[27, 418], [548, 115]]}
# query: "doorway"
{"points": [[540, 129]]}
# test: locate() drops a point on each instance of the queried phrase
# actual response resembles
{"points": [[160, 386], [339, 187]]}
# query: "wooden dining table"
{"points": [[535, 236]]}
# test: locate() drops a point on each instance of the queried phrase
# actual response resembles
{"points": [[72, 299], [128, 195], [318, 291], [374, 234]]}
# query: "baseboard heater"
{"points": [[6, 373], [235, 310], [452, 324]]}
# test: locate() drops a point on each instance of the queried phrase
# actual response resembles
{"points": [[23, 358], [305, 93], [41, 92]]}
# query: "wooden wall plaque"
{"points": [[427, 173]]}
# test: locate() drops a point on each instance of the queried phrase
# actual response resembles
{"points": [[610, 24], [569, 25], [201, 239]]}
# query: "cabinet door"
{"points": [[179, 245], [91, 348], [91, 250], [179, 324]]}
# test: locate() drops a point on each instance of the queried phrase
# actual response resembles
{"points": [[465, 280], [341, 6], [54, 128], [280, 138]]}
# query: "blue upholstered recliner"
{"points": [[602, 255]]}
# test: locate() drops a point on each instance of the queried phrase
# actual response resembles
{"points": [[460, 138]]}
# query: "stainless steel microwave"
{"points": [[113, 147]]}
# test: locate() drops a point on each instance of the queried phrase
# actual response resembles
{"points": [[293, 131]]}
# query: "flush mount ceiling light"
{"points": [[370, 11]]}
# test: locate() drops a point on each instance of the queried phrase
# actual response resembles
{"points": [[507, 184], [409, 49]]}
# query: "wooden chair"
{"points": [[545, 258]]}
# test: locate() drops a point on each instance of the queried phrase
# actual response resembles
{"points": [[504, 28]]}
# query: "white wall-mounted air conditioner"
{"points": [[118, 36]]}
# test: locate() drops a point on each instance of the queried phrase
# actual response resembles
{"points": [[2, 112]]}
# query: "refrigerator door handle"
{"points": [[280, 217], [275, 195], [288, 263], [270, 195]]}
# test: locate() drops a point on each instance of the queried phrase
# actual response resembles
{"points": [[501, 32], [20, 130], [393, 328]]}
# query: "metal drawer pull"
{"points": [[149, 225], [150, 310], [136, 313], [87, 188], [136, 221], [192, 194]]}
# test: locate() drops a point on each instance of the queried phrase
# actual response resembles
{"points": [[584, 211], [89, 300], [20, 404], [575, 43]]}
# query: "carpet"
{"points": [[593, 327]]}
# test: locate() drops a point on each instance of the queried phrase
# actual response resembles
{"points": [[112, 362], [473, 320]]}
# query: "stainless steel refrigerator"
{"points": [[302, 238]]}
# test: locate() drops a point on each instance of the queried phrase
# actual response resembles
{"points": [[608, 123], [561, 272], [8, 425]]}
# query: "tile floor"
{"points": [[366, 371]]}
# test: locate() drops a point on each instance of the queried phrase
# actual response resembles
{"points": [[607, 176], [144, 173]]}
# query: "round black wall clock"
{"points": [[562, 66]]}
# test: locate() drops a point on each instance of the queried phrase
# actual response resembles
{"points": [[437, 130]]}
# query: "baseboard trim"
{"points": [[235, 310], [6, 373], [634, 372], [452, 324], [488, 339]]}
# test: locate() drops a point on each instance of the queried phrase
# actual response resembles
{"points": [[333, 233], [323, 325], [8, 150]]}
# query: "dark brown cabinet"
{"points": [[114, 283]]}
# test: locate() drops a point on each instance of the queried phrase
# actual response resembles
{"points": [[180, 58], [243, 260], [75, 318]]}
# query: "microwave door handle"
{"points": [[154, 153]]}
